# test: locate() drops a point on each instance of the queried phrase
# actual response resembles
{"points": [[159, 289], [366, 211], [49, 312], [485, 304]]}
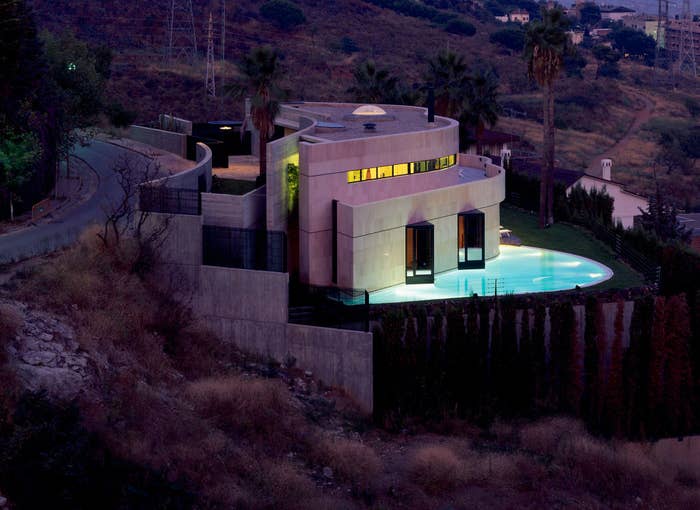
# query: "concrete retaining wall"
{"points": [[189, 179], [169, 141], [338, 357], [176, 124], [240, 211]]}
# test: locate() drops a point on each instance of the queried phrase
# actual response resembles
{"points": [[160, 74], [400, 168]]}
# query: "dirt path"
{"points": [[620, 147]]}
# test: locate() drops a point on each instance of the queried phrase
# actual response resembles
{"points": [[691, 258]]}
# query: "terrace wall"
{"points": [[168, 141], [240, 211]]}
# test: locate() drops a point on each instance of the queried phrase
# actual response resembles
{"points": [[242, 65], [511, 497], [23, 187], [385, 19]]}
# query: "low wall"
{"points": [[175, 124], [175, 143], [340, 358], [239, 211], [189, 179]]}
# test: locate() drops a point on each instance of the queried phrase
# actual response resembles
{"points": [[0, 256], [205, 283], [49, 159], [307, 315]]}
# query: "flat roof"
{"points": [[398, 119]]}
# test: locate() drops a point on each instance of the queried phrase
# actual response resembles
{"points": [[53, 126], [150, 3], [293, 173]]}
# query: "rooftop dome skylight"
{"points": [[369, 109]]}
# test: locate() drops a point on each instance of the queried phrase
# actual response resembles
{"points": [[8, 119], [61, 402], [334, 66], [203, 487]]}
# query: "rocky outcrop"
{"points": [[46, 356]]}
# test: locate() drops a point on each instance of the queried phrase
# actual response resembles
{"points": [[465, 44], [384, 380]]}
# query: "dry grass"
{"points": [[257, 410], [547, 436], [350, 460], [175, 399], [436, 469]]}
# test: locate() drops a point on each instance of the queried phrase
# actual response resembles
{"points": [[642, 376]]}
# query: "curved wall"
{"points": [[189, 179], [371, 237]]}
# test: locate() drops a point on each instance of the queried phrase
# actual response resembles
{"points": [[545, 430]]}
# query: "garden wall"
{"points": [[240, 211], [168, 141]]}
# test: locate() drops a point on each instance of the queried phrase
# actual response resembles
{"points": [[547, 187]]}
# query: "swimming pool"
{"points": [[517, 270]]}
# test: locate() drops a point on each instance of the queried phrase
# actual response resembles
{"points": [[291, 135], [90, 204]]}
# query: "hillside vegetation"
{"points": [[322, 47], [167, 416]]}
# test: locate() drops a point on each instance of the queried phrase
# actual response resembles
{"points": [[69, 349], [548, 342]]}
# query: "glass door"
{"points": [[470, 240], [419, 253]]}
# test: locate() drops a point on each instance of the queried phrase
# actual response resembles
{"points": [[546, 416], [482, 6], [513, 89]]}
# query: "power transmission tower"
{"points": [[182, 37], [223, 44], [211, 81], [686, 46], [661, 60]]}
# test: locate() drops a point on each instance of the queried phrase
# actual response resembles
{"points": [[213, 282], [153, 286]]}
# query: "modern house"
{"points": [[384, 196]]}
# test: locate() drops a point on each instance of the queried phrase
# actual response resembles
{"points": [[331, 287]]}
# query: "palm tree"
{"points": [[481, 107], [374, 85], [448, 75], [260, 73], [546, 43]]}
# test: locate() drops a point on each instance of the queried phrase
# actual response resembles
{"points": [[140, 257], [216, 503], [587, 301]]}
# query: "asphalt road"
{"points": [[63, 231]]}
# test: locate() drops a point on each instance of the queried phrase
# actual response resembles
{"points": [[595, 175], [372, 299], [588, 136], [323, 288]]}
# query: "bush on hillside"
{"points": [[282, 13], [511, 38], [460, 27], [436, 469], [46, 446], [119, 116]]}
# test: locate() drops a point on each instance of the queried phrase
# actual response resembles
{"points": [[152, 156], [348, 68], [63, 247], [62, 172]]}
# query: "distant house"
{"points": [[517, 16], [691, 221], [597, 33], [493, 143], [520, 16], [626, 206], [615, 12]]}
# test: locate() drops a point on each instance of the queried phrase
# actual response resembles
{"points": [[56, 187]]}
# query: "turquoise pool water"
{"points": [[517, 270]]}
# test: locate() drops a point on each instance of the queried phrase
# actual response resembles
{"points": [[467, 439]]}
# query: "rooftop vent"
{"points": [[370, 126], [369, 109]]}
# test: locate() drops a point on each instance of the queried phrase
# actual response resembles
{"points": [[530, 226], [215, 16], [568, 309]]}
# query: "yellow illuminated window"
{"points": [[411, 168], [354, 176], [401, 169], [369, 173], [444, 162], [452, 159], [384, 171]]}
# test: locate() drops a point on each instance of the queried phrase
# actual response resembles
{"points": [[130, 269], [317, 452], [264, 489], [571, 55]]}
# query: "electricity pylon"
{"points": [[182, 37], [661, 60], [211, 80], [686, 46]]}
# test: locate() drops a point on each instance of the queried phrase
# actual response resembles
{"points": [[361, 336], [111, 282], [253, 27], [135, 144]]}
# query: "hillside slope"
{"points": [[316, 67]]}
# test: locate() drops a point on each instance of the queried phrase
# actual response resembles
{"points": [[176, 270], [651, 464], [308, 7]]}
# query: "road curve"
{"points": [[63, 231]]}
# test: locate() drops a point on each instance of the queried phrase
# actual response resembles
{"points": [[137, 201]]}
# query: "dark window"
{"points": [[419, 253], [470, 240]]}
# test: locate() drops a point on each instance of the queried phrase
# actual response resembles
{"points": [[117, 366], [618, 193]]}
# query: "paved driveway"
{"points": [[61, 232]]}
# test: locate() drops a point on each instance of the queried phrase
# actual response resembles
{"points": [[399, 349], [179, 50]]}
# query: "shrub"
{"points": [[285, 15], [350, 460], [47, 447], [254, 409], [435, 468], [546, 437], [511, 38], [692, 105], [10, 322], [119, 116], [460, 27], [348, 45]]}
